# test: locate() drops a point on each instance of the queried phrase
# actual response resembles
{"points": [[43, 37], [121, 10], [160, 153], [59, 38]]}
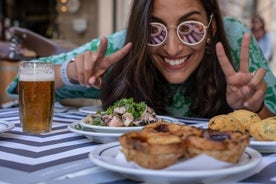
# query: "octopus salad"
{"points": [[124, 113]]}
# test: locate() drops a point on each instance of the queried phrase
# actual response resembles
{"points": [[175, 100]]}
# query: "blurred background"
{"points": [[71, 23], [81, 20], [76, 20]]}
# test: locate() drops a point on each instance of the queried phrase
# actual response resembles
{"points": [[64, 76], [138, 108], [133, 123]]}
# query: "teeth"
{"points": [[174, 62]]}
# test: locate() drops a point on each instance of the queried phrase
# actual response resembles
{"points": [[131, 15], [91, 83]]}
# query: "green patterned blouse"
{"points": [[234, 31]]}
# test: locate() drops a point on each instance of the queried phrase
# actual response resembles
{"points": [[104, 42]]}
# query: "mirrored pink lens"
{"points": [[191, 32], [158, 34]]}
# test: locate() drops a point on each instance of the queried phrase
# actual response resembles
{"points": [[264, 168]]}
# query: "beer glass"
{"points": [[36, 96]]}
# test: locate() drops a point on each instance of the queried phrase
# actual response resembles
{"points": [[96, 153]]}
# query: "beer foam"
{"points": [[37, 77]]}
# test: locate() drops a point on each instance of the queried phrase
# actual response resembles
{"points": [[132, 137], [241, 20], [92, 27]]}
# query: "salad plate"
{"points": [[6, 126], [92, 135], [104, 154], [108, 129]]}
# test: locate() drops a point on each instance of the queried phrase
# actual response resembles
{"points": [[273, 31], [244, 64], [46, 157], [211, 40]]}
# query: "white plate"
{"points": [[249, 160], [94, 136], [263, 146], [5, 126], [192, 120], [106, 129], [90, 109]]}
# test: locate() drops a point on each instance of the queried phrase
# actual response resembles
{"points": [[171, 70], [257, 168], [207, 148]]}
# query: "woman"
{"points": [[262, 36], [175, 75]]}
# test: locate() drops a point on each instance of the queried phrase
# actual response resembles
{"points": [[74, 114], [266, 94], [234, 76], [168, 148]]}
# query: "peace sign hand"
{"points": [[244, 89], [89, 67]]}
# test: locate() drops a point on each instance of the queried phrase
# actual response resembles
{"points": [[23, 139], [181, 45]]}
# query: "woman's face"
{"points": [[175, 60], [257, 24], [257, 28]]}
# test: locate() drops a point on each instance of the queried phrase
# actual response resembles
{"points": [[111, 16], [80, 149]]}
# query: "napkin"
{"points": [[200, 162]]}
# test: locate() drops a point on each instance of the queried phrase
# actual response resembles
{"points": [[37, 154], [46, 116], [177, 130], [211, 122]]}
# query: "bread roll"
{"points": [[264, 130], [226, 122], [247, 118]]}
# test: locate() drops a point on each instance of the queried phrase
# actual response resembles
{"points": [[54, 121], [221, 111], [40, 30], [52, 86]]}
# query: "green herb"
{"points": [[137, 109], [96, 121]]}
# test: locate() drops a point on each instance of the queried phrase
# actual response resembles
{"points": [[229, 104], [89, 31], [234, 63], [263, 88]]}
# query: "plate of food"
{"points": [[125, 115], [6, 126], [261, 131], [106, 155], [123, 129], [92, 135]]}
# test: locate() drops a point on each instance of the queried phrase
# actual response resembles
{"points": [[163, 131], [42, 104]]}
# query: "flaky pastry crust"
{"points": [[162, 144], [225, 146], [151, 150]]}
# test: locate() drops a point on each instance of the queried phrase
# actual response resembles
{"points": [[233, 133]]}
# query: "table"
{"points": [[61, 156]]}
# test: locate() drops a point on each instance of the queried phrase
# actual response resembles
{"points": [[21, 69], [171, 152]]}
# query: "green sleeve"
{"points": [[115, 42], [234, 32]]}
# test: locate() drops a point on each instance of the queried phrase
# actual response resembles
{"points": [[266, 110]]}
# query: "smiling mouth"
{"points": [[174, 62]]}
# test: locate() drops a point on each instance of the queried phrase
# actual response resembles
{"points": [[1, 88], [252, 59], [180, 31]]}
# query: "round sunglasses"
{"points": [[189, 32]]}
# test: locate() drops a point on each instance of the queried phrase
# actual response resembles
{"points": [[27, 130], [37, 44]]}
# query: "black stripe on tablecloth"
{"points": [[32, 168], [32, 154]]}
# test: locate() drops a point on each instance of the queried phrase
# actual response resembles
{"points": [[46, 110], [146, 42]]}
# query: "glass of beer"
{"points": [[36, 96]]}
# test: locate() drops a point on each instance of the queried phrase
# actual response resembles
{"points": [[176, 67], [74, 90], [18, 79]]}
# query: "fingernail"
{"points": [[245, 104]]}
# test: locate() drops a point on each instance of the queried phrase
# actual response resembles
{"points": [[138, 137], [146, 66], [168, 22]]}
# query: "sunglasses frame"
{"points": [[165, 28]]}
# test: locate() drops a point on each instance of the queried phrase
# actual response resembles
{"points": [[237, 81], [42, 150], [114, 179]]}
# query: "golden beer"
{"points": [[36, 99]]}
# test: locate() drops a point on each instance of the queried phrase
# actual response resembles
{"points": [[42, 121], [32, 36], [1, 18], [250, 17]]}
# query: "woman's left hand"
{"points": [[244, 90]]}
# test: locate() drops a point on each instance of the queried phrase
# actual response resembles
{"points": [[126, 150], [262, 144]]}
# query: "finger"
{"points": [[224, 61], [96, 82], [233, 95], [259, 74], [79, 60], [244, 55], [113, 58], [107, 62], [257, 79], [91, 58], [255, 101], [88, 66], [100, 52]]}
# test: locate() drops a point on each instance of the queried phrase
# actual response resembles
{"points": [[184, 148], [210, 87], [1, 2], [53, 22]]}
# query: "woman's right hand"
{"points": [[89, 67]]}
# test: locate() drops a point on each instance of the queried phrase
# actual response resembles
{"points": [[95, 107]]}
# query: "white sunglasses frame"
{"points": [[177, 32]]}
